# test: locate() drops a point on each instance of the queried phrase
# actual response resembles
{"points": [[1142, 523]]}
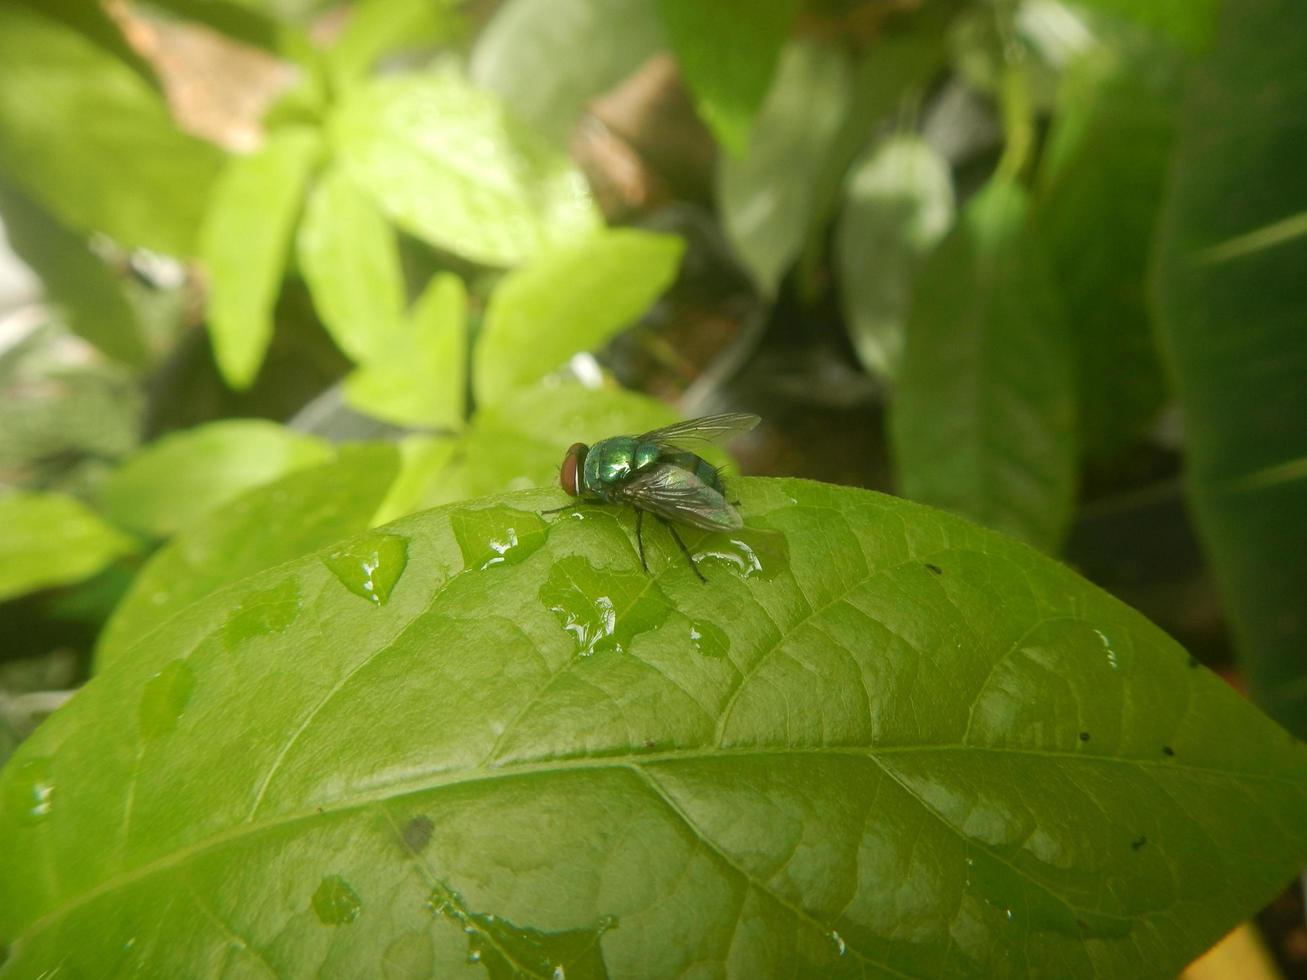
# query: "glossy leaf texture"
{"points": [[76, 280], [245, 243], [1232, 295], [1109, 153], [420, 378], [448, 163], [548, 61], [49, 539], [570, 300], [766, 194], [183, 476], [728, 51], [880, 740], [349, 256], [898, 205], [268, 525], [66, 101], [983, 419]]}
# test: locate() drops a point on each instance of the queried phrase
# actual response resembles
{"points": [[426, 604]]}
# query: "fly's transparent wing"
{"points": [[710, 428], [675, 493]]}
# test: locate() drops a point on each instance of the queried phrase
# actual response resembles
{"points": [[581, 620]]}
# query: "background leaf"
{"points": [[308, 509], [422, 378], [898, 205], [531, 749], [572, 299], [547, 61], [183, 476], [984, 418], [727, 51], [75, 278], [244, 244], [349, 256], [1188, 21], [1109, 153], [446, 162], [1232, 296], [766, 194], [49, 539], [66, 101]]}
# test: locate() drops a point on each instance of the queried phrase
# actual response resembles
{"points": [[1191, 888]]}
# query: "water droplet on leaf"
{"points": [[630, 603], [709, 639], [370, 566], [263, 612], [751, 552], [335, 903], [164, 698], [29, 790], [491, 536], [841, 946]]}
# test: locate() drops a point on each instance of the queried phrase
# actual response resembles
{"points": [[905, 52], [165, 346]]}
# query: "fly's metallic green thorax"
{"points": [[610, 462]]}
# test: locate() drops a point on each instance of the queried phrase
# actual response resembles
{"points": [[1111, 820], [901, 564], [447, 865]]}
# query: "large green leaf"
{"points": [[569, 300], [1109, 153], [1233, 297], [91, 139], [422, 378], [349, 256], [984, 415], [244, 243], [898, 205], [266, 526], [185, 475], [879, 741], [547, 60], [766, 195], [446, 161], [49, 539], [75, 278], [728, 50]]}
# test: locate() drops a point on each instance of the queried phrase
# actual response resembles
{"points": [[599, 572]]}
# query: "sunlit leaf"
{"points": [[728, 50], [244, 244], [447, 162], [899, 204], [1233, 298], [49, 539], [547, 60], [983, 419], [350, 260], [421, 378], [879, 741], [766, 195], [177, 480], [271, 524], [569, 300], [92, 140]]}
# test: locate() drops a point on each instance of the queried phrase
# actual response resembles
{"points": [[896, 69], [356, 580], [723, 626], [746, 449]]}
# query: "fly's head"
{"points": [[570, 477]]}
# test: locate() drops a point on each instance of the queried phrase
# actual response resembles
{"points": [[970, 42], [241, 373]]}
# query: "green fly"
{"points": [[659, 472]]}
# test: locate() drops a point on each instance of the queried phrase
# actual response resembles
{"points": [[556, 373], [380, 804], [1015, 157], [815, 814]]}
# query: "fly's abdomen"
{"points": [[699, 466]]}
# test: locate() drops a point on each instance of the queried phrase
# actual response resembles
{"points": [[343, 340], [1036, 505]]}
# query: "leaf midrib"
{"points": [[433, 782]]}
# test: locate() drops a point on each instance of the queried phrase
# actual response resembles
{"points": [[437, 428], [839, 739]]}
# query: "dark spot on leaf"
{"points": [[934, 569], [1084, 736], [417, 834], [1193, 661], [1138, 842], [649, 743], [1167, 750]]}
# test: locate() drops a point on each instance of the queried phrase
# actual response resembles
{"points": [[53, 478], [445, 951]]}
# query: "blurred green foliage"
{"points": [[304, 267]]}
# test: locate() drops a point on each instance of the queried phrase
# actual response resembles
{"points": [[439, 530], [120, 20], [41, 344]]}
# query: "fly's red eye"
{"points": [[571, 465]]}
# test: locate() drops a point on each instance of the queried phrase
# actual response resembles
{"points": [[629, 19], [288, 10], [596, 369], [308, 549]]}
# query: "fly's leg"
{"points": [[572, 506], [639, 537], [684, 550]]}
